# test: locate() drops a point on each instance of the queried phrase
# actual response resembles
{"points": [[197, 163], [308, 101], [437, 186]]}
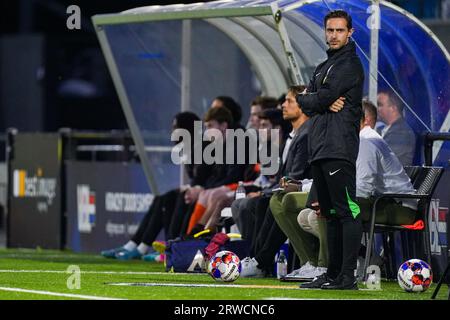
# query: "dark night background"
{"points": [[40, 57]]}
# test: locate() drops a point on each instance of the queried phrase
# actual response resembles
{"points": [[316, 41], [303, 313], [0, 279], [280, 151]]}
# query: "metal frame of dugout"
{"points": [[179, 57]]}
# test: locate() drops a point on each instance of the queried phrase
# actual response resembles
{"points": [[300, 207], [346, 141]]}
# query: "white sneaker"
{"points": [[246, 260], [305, 270], [293, 274], [301, 272], [250, 269], [318, 271]]}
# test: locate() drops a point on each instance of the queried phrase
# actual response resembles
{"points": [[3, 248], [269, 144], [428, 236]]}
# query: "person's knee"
{"points": [[212, 193], [313, 222], [312, 218], [274, 202], [203, 195], [294, 201], [215, 193], [302, 219], [222, 203]]}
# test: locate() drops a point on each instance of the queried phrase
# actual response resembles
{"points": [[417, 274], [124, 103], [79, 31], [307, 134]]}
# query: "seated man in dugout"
{"points": [[269, 119], [258, 105], [378, 171], [224, 176], [167, 210], [267, 237], [396, 132]]}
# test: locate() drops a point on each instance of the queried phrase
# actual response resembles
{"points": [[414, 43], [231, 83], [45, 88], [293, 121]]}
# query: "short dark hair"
{"points": [[281, 98], [275, 116], [185, 120], [369, 108], [296, 89], [394, 100], [265, 102], [338, 14], [221, 115], [233, 107]]}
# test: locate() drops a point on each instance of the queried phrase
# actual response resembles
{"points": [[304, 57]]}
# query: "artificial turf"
{"points": [[46, 271]]}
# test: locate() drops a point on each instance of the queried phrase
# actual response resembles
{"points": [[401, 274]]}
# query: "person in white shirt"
{"points": [[379, 171]]}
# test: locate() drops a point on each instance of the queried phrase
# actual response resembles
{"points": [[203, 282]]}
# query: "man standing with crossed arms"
{"points": [[334, 144]]}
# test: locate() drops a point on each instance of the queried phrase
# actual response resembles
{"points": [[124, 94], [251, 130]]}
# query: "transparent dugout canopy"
{"points": [[173, 58]]}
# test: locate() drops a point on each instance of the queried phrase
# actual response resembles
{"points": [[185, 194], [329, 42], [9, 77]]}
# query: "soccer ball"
{"points": [[224, 266], [414, 275]]}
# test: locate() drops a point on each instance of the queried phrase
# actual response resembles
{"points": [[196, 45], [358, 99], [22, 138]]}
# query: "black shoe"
{"points": [[343, 282], [316, 283]]}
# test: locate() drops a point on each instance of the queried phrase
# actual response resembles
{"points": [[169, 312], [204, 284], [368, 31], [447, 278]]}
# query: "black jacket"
{"points": [[297, 165], [402, 141], [335, 135], [198, 173], [222, 173]]}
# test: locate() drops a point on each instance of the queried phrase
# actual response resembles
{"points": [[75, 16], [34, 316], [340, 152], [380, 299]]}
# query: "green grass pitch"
{"points": [[42, 274]]}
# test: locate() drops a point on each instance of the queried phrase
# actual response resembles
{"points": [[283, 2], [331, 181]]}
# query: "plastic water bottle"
{"points": [[240, 191], [281, 265]]}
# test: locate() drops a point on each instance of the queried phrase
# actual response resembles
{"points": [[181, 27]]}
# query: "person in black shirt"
{"points": [[224, 176], [397, 133]]}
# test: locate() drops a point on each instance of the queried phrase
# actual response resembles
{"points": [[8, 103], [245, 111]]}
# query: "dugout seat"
{"points": [[425, 180]]}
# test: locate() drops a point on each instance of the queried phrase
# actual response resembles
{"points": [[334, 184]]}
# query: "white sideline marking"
{"points": [[102, 272], [201, 285], [57, 294], [206, 285]]}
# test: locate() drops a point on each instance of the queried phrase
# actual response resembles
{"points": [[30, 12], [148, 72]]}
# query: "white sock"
{"points": [[130, 246], [143, 248]]}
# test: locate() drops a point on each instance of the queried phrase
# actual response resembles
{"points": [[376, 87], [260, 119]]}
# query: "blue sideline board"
{"points": [[105, 203]]}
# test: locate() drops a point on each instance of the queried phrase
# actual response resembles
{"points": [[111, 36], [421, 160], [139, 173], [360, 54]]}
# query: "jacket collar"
{"points": [[349, 47]]}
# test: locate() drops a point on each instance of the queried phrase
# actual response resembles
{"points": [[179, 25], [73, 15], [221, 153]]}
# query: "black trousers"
{"points": [[335, 182], [258, 209], [167, 211], [242, 214], [267, 235]]}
